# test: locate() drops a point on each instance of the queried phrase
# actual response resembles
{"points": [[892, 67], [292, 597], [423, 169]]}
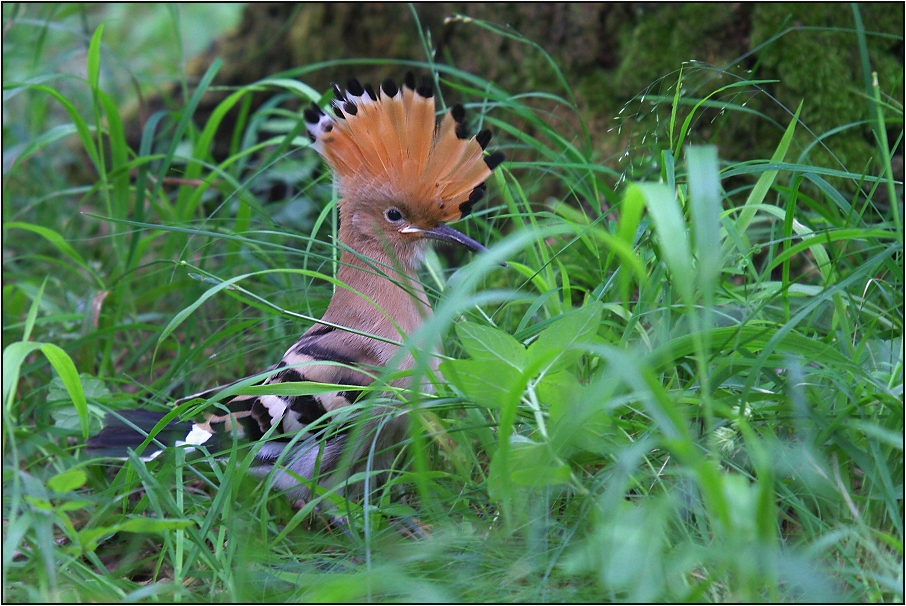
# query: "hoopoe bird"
{"points": [[402, 177]]}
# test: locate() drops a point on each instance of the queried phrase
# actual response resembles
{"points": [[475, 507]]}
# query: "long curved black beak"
{"points": [[445, 233]]}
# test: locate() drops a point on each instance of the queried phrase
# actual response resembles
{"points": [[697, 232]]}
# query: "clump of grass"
{"points": [[687, 386]]}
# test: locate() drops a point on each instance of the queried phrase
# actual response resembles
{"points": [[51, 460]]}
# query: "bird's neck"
{"points": [[398, 301]]}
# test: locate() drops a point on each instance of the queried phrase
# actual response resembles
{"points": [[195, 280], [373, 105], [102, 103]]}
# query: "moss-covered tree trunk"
{"points": [[609, 53]]}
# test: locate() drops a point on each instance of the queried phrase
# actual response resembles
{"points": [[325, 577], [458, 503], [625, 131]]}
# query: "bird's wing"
{"points": [[323, 354]]}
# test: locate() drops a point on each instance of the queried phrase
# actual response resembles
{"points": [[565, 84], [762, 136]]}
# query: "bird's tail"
{"points": [[128, 429], [312, 458]]}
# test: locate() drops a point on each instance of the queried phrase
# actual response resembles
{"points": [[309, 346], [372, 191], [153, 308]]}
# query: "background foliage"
{"points": [[688, 385]]}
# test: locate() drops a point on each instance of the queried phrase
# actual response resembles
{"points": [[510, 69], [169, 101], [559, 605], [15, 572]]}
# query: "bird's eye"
{"points": [[393, 215]]}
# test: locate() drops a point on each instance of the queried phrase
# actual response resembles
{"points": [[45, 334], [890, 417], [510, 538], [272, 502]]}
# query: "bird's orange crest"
{"points": [[386, 146]]}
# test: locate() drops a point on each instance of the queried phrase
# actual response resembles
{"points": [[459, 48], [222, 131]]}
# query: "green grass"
{"points": [[688, 385]]}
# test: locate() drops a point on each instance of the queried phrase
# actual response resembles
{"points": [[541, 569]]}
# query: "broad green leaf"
{"points": [[554, 347], [399, 510], [64, 366], [92, 387], [38, 502], [579, 419], [483, 382], [531, 464], [88, 537], [68, 480], [13, 357], [627, 548], [74, 505], [559, 392], [67, 417], [153, 525], [484, 343], [541, 475], [598, 434], [741, 497]]}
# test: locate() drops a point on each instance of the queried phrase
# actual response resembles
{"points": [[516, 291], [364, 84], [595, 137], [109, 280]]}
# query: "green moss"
{"points": [[661, 40], [811, 50], [822, 67]]}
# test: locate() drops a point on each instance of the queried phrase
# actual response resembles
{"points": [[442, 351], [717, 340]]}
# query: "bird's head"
{"points": [[402, 177]]}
